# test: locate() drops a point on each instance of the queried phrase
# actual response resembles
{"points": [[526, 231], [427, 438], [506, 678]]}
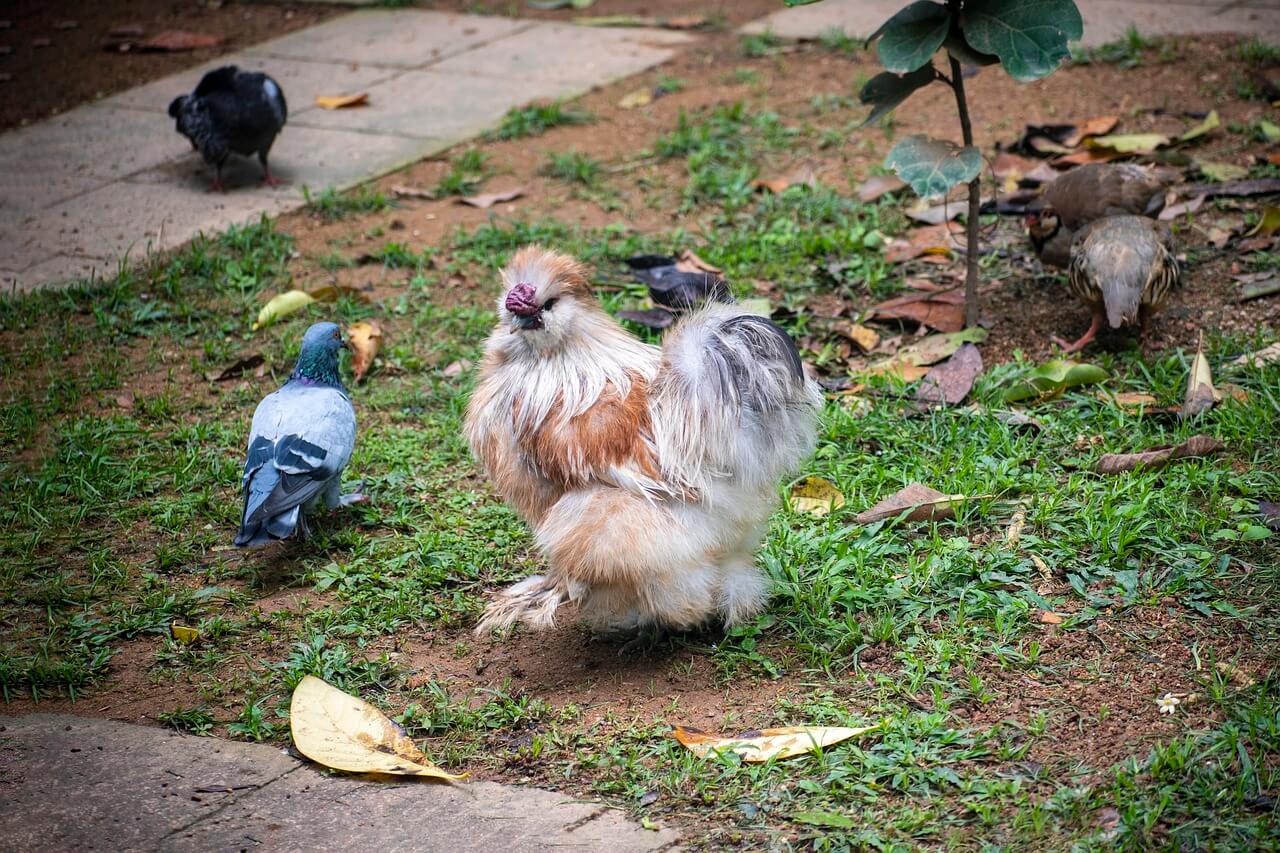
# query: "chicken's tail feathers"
{"points": [[733, 398], [533, 601]]}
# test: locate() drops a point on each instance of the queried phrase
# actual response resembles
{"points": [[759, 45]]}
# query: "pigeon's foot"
{"points": [[270, 180], [217, 186], [356, 497]]}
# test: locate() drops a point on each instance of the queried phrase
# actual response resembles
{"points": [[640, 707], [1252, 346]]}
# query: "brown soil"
{"points": [[53, 66]]}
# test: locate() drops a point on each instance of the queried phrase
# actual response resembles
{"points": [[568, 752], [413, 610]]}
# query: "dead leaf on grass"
{"points": [[1235, 673], [402, 191], [804, 174], [1197, 445], [488, 200], [878, 185], [1090, 127], [942, 311], [757, 747], [1221, 172], [334, 292], [1266, 355], [1182, 208], [456, 368], [364, 338], [183, 634], [1048, 617], [1130, 143], [689, 261], [1268, 223], [949, 382], [173, 41], [635, 100], [1014, 532], [920, 502], [236, 369], [342, 102], [866, 339], [282, 305], [346, 733], [1088, 155], [1200, 394], [1211, 122], [125, 400], [816, 496], [931, 240], [934, 348]]}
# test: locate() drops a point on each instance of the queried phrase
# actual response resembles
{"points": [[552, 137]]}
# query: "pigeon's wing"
{"points": [[218, 80], [302, 439]]}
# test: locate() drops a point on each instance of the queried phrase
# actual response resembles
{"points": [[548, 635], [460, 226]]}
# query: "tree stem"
{"points": [[971, 311]]}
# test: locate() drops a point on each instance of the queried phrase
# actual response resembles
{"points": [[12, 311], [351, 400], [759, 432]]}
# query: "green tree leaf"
{"points": [[1029, 36], [933, 166], [885, 90], [910, 38], [1052, 378], [799, 2]]}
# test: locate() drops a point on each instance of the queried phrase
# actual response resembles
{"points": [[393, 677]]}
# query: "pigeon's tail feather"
{"points": [[176, 105], [257, 528]]}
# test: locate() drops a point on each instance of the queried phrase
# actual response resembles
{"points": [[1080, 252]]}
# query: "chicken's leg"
{"points": [[1085, 339], [268, 179]]}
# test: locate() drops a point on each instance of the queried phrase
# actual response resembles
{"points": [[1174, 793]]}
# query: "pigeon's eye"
{"points": [[549, 304]]}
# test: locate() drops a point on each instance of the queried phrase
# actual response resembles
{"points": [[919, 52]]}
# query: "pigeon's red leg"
{"points": [[218, 186], [270, 180], [1085, 339]]}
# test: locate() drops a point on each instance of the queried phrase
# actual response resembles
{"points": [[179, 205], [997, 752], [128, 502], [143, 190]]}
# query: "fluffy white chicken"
{"points": [[647, 475]]}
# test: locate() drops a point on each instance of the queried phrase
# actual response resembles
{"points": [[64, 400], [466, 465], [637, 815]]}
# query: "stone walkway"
{"points": [[1104, 20], [71, 784], [80, 191]]}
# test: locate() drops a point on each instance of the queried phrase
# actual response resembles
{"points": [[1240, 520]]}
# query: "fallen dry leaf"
{"points": [[236, 369], [768, 744], [943, 311], [1091, 127], [334, 292], [1182, 208], [488, 200], [173, 41], [931, 240], [949, 382], [282, 306], [1129, 399], [456, 368], [816, 496], [866, 339], [878, 185], [1235, 673], [1016, 525], [1197, 445], [364, 339], [1200, 395], [1130, 143], [924, 503], [342, 102], [402, 191], [804, 174], [683, 22], [346, 733], [1048, 617], [636, 99], [1087, 155], [1266, 355], [125, 400], [183, 634], [689, 261]]}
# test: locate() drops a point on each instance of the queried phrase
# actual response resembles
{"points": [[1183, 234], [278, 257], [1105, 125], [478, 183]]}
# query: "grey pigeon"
{"points": [[301, 440], [232, 110]]}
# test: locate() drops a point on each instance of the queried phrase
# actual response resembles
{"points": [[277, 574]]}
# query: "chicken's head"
{"points": [[546, 299]]}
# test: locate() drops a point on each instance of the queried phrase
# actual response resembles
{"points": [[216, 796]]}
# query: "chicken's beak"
{"points": [[527, 323]]}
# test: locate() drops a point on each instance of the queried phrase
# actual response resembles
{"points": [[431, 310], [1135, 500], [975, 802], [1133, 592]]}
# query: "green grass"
{"points": [[331, 204], [537, 119], [1258, 53], [114, 525], [1130, 51], [572, 167], [466, 174]]}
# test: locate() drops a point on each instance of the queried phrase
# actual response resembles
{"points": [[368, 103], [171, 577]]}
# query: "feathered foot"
{"points": [[532, 601], [1085, 339]]}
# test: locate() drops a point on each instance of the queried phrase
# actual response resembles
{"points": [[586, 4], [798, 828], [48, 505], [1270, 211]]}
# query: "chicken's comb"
{"points": [[522, 301]]}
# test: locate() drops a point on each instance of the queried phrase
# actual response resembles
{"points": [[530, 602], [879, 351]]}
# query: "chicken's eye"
{"points": [[549, 304]]}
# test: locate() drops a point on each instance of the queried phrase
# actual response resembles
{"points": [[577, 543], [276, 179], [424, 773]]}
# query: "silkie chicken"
{"points": [[299, 444], [646, 474], [232, 111]]}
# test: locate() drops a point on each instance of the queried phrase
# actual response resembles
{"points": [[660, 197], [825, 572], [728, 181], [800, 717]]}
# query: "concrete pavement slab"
{"points": [[301, 81], [432, 104], [58, 268], [1104, 20], [72, 784], [405, 39], [558, 53]]}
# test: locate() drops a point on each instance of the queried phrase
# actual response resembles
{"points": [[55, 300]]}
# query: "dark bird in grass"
{"points": [[232, 111], [300, 442], [1123, 268], [1085, 194]]}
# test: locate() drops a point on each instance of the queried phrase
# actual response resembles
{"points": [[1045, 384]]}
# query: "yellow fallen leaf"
{"points": [[184, 634], [346, 733], [334, 292], [768, 744], [1200, 395], [364, 339], [281, 306], [1129, 399], [638, 98], [1266, 355], [816, 496], [1048, 617], [1016, 525], [339, 102], [866, 338]]}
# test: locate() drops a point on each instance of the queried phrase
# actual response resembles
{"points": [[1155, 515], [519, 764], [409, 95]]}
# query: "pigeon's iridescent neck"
{"points": [[317, 368]]}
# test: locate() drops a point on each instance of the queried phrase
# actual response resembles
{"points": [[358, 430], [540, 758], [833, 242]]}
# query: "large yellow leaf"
{"points": [[364, 339], [281, 306], [347, 733], [768, 744], [815, 496], [341, 102]]}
